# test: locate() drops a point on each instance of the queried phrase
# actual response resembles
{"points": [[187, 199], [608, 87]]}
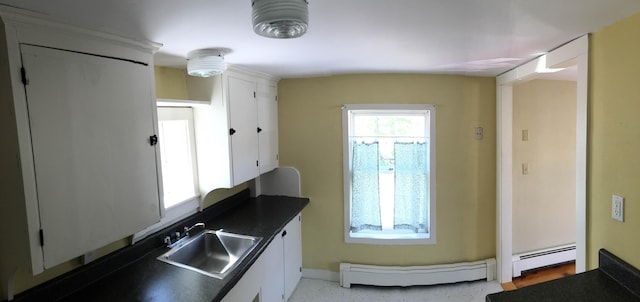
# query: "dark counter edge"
{"points": [[616, 269], [620, 271], [75, 280]]}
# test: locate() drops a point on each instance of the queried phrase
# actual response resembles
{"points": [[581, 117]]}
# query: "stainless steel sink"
{"points": [[213, 253]]}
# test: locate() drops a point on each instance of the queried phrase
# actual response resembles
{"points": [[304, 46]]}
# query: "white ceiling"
{"points": [[472, 37]]}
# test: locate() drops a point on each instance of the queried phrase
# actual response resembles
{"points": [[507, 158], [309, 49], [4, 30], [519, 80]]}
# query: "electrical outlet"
{"points": [[617, 208], [525, 169]]}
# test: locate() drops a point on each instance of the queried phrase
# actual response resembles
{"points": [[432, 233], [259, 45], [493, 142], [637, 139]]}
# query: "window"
{"points": [[176, 141], [389, 174], [177, 151]]}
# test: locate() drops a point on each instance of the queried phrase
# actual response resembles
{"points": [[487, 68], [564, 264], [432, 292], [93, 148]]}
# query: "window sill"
{"points": [[171, 215], [380, 238]]}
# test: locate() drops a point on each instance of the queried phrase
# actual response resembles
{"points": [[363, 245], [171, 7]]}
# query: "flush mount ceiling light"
{"points": [[280, 19], [205, 62]]}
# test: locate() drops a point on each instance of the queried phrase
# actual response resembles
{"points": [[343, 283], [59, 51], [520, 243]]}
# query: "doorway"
{"points": [[574, 53]]}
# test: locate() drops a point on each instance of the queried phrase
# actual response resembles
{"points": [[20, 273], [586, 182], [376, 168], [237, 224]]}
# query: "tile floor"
{"points": [[310, 290]]}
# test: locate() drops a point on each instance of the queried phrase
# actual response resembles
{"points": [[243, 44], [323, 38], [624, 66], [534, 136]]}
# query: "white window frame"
{"points": [[388, 238], [181, 114], [189, 206]]}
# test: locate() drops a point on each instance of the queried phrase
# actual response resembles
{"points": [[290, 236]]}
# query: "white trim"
{"points": [[416, 275], [581, 161], [400, 239], [251, 72], [504, 173], [181, 114], [181, 103], [574, 52], [45, 31], [319, 274]]}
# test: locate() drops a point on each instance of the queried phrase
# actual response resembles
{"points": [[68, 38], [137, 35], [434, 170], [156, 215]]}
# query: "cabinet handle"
{"points": [[153, 140], [259, 129], [284, 233], [232, 131]]}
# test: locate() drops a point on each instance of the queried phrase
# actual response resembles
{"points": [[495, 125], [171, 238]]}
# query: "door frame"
{"points": [[574, 53]]}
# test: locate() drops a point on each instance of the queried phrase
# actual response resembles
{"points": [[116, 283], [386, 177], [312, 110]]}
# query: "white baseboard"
{"points": [[542, 258], [416, 275], [319, 274]]}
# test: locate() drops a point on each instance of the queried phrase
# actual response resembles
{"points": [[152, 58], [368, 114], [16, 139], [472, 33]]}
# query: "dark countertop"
{"points": [[614, 280], [136, 274]]}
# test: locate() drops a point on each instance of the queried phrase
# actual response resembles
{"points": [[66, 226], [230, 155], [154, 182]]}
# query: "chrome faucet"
{"points": [[180, 238], [187, 229]]}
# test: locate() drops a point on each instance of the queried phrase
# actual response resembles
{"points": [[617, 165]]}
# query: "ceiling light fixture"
{"points": [[280, 19], [205, 62]]}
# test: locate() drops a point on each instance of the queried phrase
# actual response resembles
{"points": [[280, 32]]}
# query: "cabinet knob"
{"points": [[232, 131], [259, 129], [284, 233], [153, 140]]}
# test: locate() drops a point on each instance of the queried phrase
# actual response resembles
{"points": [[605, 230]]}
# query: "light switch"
{"points": [[525, 169], [525, 135]]}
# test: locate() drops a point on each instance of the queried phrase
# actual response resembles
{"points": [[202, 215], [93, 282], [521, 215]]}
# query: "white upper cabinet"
{"points": [[85, 115], [95, 171], [267, 98], [243, 128], [236, 133]]}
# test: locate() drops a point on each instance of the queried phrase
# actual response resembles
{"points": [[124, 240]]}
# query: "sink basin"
{"points": [[213, 253]]}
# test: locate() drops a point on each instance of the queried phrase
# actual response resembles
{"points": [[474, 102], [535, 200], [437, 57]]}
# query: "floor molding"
{"points": [[320, 274]]}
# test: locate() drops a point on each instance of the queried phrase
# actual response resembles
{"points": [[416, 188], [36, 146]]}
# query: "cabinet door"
{"points": [[292, 256], [273, 281], [244, 122], [90, 121], [268, 123], [248, 287]]}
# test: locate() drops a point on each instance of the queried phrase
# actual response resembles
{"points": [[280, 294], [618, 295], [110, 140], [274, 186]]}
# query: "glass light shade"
{"points": [[205, 62], [280, 19]]}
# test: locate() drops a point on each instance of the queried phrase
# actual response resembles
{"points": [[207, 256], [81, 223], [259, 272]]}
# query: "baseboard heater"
{"points": [[416, 275], [542, 258]]}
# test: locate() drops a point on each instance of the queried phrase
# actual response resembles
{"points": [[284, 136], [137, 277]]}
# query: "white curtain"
{"points": [[365, 200], [411, 184]]}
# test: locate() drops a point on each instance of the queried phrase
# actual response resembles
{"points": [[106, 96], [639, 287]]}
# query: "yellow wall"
{"points": [[544, 200], [310, 133], [614, 140], [170, 83]]}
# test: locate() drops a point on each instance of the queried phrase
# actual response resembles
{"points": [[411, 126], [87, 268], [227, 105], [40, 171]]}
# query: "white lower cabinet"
{"points": [[248, 288], [275, 275], [292, 255], [273, 279]]}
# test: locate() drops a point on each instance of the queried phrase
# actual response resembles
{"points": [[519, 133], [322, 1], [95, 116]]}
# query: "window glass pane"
{"points": [[403, 186], [177, 167]]}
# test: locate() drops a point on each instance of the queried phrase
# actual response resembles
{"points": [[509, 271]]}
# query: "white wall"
{"points": [[544, 199]]}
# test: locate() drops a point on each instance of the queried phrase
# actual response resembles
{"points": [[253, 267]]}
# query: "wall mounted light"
{"points": [[280, 19], [206, 62]]}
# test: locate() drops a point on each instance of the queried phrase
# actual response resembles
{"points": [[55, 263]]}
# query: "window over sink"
{"points": [[178, 156], [176, 138]]}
